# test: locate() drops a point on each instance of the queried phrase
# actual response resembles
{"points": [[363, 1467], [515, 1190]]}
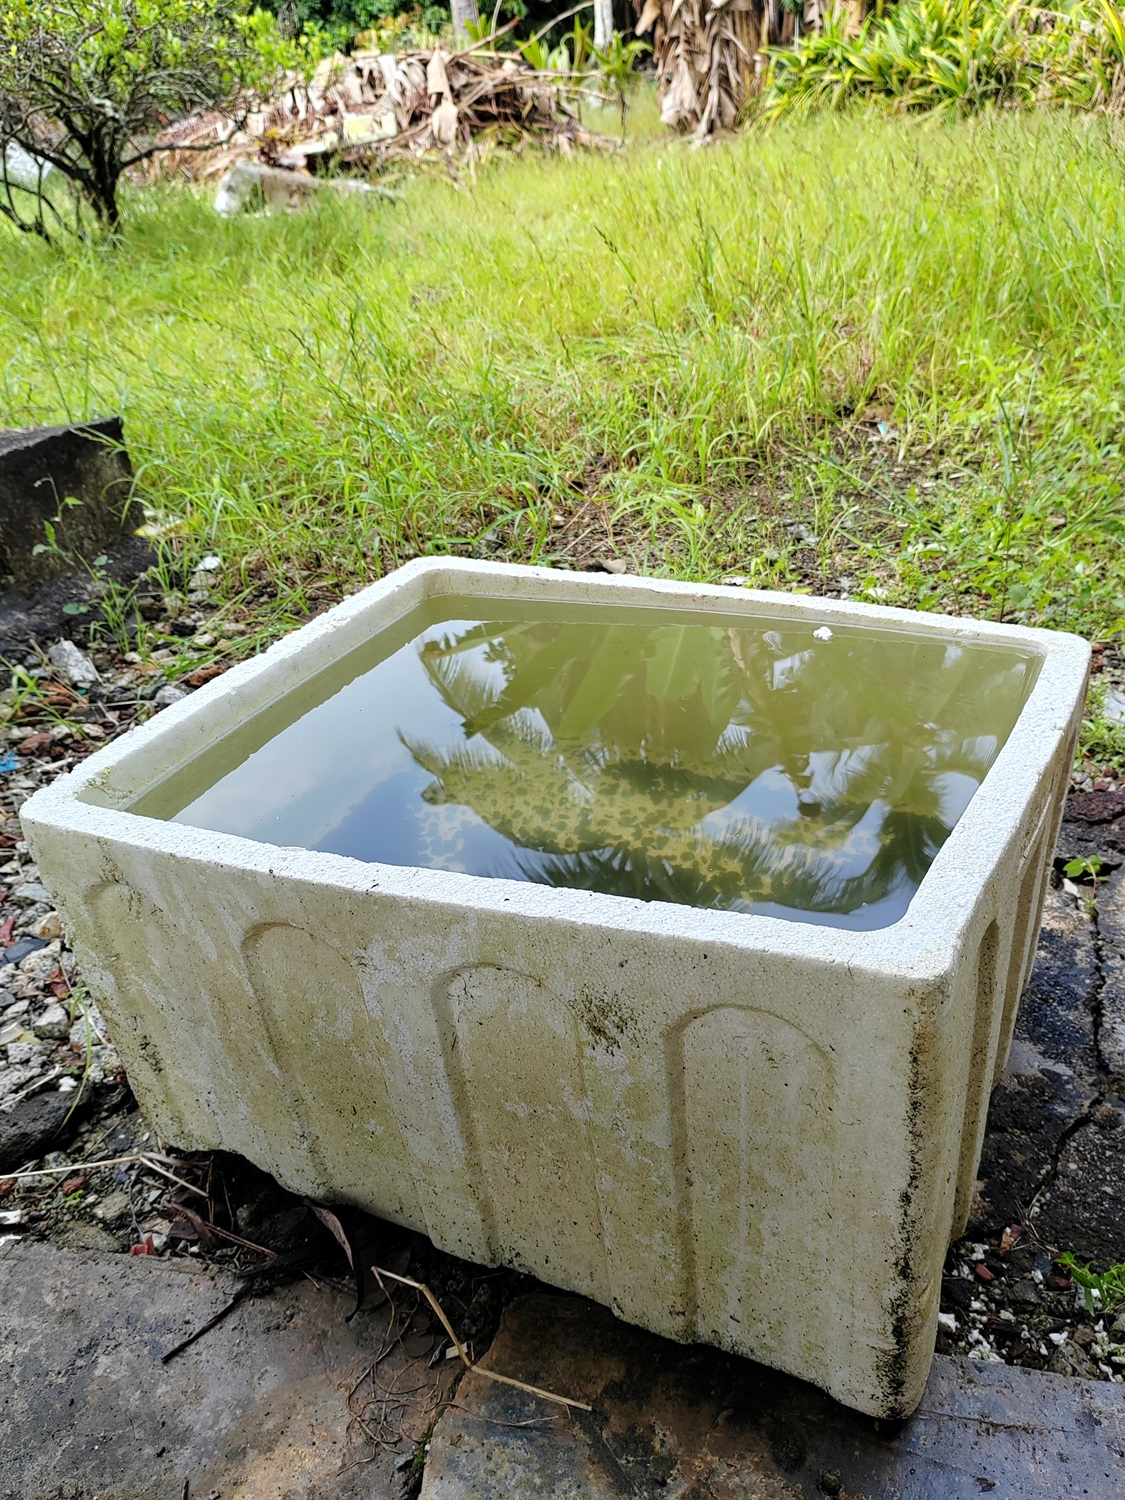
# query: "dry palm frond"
{"points": [[708, 52], [373, 107]]}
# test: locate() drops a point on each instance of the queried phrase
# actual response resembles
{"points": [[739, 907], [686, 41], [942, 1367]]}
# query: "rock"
{"points": [[48, 928], [251, 187], [35, 1123], [16, 1077], [203, 579], [87, 1026], [41, 963], [113, 1206], [25, 1054], [1113, 706], [24, 170], [1069, 1359], [72, 665], [105, 1064], [38, 466], [1024, 1293], [31, 892], [167, 695], [54, 1023]]}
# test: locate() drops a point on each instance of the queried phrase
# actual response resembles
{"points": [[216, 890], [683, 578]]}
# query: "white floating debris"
{"points": [[823, 634]]}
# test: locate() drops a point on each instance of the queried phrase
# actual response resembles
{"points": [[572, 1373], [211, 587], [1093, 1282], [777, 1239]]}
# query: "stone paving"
{"points": [[1054, 1156], [698, 1425], [281, 1401]]}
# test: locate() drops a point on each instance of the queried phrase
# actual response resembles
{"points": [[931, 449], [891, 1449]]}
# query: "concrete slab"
{"points": [[694, 1424], [278, 1402]]}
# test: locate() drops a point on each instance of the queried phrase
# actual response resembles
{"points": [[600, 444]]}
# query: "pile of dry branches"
{"points": [[708, 53], [373, 107]]}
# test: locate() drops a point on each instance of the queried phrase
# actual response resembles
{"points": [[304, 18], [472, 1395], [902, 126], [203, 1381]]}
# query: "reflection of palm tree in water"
{"points": [[617, 750]]}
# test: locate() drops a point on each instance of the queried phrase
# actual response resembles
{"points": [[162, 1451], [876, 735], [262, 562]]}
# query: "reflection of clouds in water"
{"points": [[304, 782], [955, 791], [441, 837]]}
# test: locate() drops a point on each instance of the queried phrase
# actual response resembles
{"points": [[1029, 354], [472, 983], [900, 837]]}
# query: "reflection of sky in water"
{"points": [[343, 779]]}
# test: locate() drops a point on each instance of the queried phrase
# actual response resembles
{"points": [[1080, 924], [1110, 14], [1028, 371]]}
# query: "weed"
{"points": [[1103, 739], [1087, 867], [956, 55], [1102, 1291]]}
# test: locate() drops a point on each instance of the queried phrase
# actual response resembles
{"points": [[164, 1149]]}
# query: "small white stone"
{"points": [[72, 665], [947, 1322], [39, 964]]}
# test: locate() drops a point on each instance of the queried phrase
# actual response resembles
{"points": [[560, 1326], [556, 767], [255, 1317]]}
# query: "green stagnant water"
{"points": [[741, 762]]}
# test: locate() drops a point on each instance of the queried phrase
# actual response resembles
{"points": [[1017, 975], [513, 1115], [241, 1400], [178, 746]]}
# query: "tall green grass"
{"points": [[910, 337]]}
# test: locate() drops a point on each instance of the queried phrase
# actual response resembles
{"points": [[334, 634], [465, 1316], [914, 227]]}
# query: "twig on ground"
{"points": [[240, 1296], [521, 1385]]}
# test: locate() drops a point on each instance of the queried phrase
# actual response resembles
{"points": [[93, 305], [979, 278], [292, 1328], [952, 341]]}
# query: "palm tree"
{"points": [[615, 757], [707, 52]]}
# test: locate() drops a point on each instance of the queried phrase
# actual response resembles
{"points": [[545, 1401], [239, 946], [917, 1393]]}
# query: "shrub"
{"points": [[957, 54], [86, 84]]}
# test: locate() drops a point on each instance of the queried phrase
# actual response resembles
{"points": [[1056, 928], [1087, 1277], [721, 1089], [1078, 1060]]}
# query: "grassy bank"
{"points": [[904, 339]]}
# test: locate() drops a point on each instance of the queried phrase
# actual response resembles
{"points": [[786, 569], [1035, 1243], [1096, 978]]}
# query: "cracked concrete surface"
{"points": [[1054, 1154], [695, 1424]]}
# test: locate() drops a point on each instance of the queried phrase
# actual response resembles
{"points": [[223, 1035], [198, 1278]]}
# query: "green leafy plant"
{"points": [[926, 55], [616, 63], [1102, 740], [1086, 867], [1102, 1291], [86, 86], [1078, 869]]}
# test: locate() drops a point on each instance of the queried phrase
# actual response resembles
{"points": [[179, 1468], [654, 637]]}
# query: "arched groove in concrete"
{"points": [[514, 1058], [755, 1141], [332, 1103], [986, 1031], [153, 1022]]}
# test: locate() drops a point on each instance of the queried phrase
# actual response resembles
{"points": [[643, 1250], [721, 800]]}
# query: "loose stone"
{"points": [[53, 1023]]}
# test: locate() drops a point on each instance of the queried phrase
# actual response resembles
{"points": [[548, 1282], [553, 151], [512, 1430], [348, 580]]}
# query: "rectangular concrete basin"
{"points": [[730, 1117]]}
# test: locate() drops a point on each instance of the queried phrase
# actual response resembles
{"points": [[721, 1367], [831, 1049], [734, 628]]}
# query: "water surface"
{"points": [[749, 765]]}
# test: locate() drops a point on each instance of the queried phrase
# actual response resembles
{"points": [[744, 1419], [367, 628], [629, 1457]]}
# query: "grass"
{"points": [[878, 356]]}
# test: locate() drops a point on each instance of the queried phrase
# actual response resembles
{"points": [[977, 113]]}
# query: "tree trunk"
{"points": [[603, 24], [463, 10]]}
